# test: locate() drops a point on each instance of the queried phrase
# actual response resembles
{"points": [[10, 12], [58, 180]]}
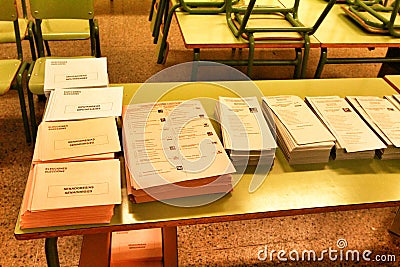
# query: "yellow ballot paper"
{"points": [[68, 139], [76, 184]]}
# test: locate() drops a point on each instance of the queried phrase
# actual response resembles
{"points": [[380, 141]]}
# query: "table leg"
{"points": [[52, 252], [395, 227], [170, 248]]}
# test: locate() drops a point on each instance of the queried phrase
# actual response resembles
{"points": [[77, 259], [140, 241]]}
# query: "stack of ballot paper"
{"points": [[246, 136], [172, 151], [354, 139], [384, 119], [302, 137], [90, 139], [71, 193], [394, 99], [136, 248], [75, 73], [76, 104]]}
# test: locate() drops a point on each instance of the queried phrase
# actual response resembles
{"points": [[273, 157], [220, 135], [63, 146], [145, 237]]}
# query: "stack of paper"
{"points": [[90, 139], [354, 139], [394, 99], [301, 135], [136, 248], [384, 119], [72, 193], [172, 151], [76, 104], [246, 136], [75, 73]]}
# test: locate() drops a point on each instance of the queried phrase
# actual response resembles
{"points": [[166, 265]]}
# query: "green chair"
{"points": [[60, 13], [279, 23], [65, 20], [163, 16], [12, 30], [375, 16]]}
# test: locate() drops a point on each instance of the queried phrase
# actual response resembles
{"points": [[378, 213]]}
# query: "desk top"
{"points": [[338, 29], [212, 31], [287, 190], [394, 81]]}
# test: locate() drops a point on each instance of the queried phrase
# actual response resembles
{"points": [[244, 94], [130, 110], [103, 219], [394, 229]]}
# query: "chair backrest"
{"points": [[8, 10], [62, 9], [9, 13]]}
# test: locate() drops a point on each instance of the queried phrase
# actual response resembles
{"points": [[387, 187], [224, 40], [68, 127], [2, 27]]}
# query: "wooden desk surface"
{"points": [[338, 29], [287, 190], [212, 31]]}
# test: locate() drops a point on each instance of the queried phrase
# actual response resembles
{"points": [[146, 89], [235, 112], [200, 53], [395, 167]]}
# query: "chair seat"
{"points": [[7, 30], [8, 70], [36, 82], [272, 21], [61, 29]]}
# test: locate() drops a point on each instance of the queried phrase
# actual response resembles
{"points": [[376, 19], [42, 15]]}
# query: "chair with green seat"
{"points": [[60, 12], [11, 70], [277, 23], [375, 16], [64, 21], [164, 13]]}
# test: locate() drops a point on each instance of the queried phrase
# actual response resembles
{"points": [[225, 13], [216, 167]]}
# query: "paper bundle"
{"points": [[71, 193], [354, 139], [172, 151], [301, 135], [246, 136]]}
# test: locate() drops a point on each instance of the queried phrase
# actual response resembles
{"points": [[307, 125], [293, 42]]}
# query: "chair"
{"points": [[65, 20], [375, 16], [58, 12], [12, 30], [163, 12], [265, 23]]}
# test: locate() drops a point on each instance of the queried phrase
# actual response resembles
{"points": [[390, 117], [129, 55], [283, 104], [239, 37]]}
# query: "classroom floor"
{"points": [[127, 44]]}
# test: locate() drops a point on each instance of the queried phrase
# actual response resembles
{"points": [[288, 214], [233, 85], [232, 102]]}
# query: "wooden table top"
{"points": [[286, 190]]}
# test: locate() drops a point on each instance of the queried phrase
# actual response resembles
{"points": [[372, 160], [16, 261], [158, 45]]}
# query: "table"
{"points": [[287, 190], [218, 35], [393, 80], [338, 30]]}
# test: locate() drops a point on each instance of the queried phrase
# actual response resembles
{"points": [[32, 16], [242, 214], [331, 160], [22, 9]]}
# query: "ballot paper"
{"points": [[128, 248], [76, 184], [246, 136], [302, 137], [391, 151], [350, 131], [67, 139], [384, 115], [71, 193], [394, 99], [299, 120], [168, 142], [75, 73], [172, 143], [75, 104]]}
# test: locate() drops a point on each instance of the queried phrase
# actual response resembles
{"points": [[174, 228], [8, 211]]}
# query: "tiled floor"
{"points": [[126, 42]]}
